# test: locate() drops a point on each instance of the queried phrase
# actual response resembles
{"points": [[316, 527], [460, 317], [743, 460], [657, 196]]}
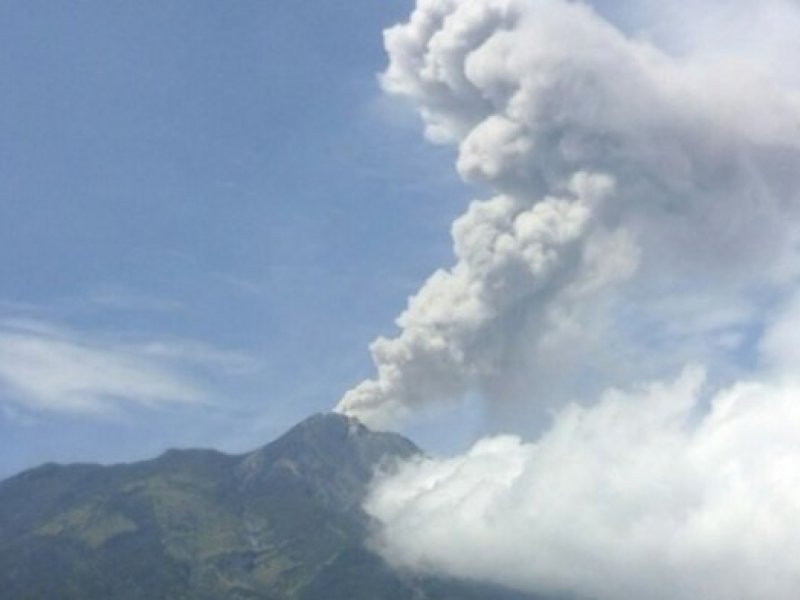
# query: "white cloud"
{"points": [[643, 495], [46, 368]]}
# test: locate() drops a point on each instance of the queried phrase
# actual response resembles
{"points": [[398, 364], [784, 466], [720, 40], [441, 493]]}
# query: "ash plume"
{"points": [[619, 171]]}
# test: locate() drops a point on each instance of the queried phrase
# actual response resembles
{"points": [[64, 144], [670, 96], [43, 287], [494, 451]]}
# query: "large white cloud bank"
{"points": [[635, 497], [642, 215]]}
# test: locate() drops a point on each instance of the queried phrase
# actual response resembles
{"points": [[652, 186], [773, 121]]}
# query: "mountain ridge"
{"points": [[282, 522]]}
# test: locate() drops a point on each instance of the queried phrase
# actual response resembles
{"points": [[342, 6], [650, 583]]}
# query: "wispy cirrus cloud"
{"points": [[124, 300], [47, 368]]}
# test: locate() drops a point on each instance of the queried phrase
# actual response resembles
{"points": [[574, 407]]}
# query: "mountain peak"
{"points": [[333, 454], [330, 422]]}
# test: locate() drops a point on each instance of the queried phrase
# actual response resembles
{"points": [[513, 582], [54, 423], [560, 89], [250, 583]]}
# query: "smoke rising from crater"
{"points": [[620, 173]]}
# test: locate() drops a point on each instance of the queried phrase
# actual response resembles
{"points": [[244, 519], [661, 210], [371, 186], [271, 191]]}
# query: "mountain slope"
{"points": [[282, 522]]}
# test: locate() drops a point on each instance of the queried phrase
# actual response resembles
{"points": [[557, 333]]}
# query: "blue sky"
{"points": [[214, 195], [209, 210]]}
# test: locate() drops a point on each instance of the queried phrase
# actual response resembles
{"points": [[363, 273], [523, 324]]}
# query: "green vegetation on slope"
{"points": [[281, 523]]}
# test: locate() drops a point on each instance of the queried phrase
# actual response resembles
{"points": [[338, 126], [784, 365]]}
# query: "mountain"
{"points": [[281, 523]]}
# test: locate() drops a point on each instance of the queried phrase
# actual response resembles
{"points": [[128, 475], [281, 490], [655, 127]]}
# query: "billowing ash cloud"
{"points": [[509, 254], [643, 215], [620, 173]]}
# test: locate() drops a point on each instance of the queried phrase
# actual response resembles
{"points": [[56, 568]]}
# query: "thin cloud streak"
{"points": [[46, 368]]}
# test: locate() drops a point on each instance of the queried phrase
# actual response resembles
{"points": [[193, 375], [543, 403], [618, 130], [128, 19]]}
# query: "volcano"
{"points": [[281, 522]]}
